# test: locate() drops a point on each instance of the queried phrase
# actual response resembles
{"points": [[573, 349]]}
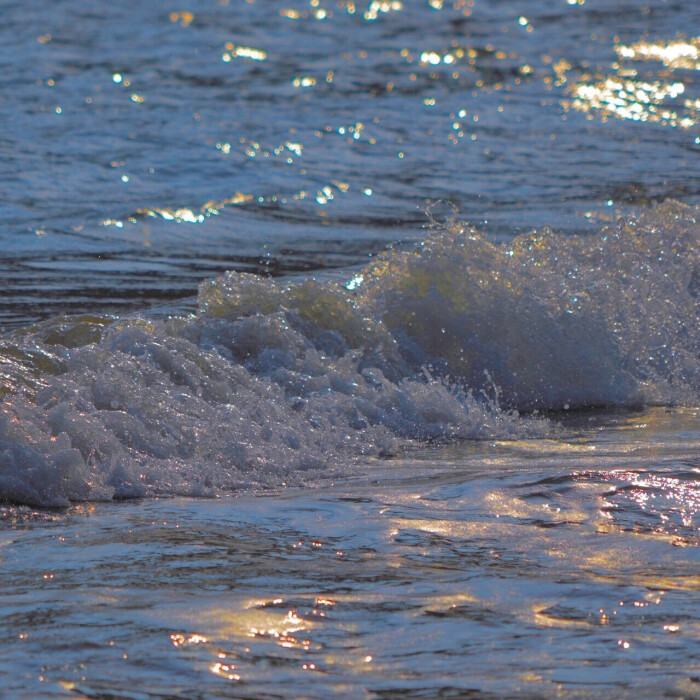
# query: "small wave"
{"points": [[276, 382], [554, 321]]}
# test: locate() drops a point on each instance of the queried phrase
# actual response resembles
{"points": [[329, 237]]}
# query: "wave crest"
{"points": [[279, 381]]}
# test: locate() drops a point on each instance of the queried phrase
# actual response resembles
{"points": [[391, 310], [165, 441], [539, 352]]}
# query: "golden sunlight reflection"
{"points": [[184, 18], [674, 54], [180, 640], [188, 215], [231, 632], [544, 616], [378, 7], [233, 51], [304, 81], [660, 495], [183, 214], [281, 628], [635, 100], [253, 149], [450, 601], [255, 618], [225, 670], [455, 54], [626, 95]]}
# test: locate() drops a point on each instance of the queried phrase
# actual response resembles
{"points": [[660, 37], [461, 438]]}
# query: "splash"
{"points": [[554, 321], [277, 382]]}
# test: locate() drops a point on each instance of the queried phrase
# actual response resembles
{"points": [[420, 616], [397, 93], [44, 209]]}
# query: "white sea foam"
{"points": [[279, 382], [556, 321]]}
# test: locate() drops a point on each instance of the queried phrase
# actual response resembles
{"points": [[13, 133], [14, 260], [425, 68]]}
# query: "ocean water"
{"points": [[350, 349]]}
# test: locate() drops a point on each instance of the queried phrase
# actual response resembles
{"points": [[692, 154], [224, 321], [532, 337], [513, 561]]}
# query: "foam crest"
{"points": [[554, 321], [606, 319], [277, 382], [209, 405]]}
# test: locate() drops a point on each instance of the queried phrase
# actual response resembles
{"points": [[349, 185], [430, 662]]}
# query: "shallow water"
{"points": [[464, 466], [559, 568]]}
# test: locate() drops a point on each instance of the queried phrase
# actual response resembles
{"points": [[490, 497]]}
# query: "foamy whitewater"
{"points": [[271, 380]]}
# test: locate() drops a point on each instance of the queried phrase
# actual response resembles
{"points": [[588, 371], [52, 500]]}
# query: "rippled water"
{"points": [[311, 135], [465, 467], [559, 568]]}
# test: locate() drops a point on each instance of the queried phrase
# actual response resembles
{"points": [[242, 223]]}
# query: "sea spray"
{"points": [[278, 382]]}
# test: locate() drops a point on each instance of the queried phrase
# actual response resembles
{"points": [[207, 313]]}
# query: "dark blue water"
{"points": [[328, 149]]}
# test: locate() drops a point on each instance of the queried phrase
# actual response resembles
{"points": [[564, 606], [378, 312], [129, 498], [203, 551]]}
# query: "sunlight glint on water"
{"points": [[538, 554]]}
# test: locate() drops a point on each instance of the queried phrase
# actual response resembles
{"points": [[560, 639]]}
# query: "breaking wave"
{"points": [[276, 382]]}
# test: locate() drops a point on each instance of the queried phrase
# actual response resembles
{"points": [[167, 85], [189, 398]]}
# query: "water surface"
{"points": [[246, 451]]}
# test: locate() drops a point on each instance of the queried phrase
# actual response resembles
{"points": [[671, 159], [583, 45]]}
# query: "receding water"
{"points": [[557, 568]]}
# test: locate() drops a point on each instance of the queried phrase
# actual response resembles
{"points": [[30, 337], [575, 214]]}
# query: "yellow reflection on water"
{"points": [[180, 640], [673, 54], [225, 670], [232, 51], [290, 13], [544, 616], [304, 81], [378, 7], [261, 619], [625, 95], [184, 18], [633, 99], [181, 215], [659, 494]]}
